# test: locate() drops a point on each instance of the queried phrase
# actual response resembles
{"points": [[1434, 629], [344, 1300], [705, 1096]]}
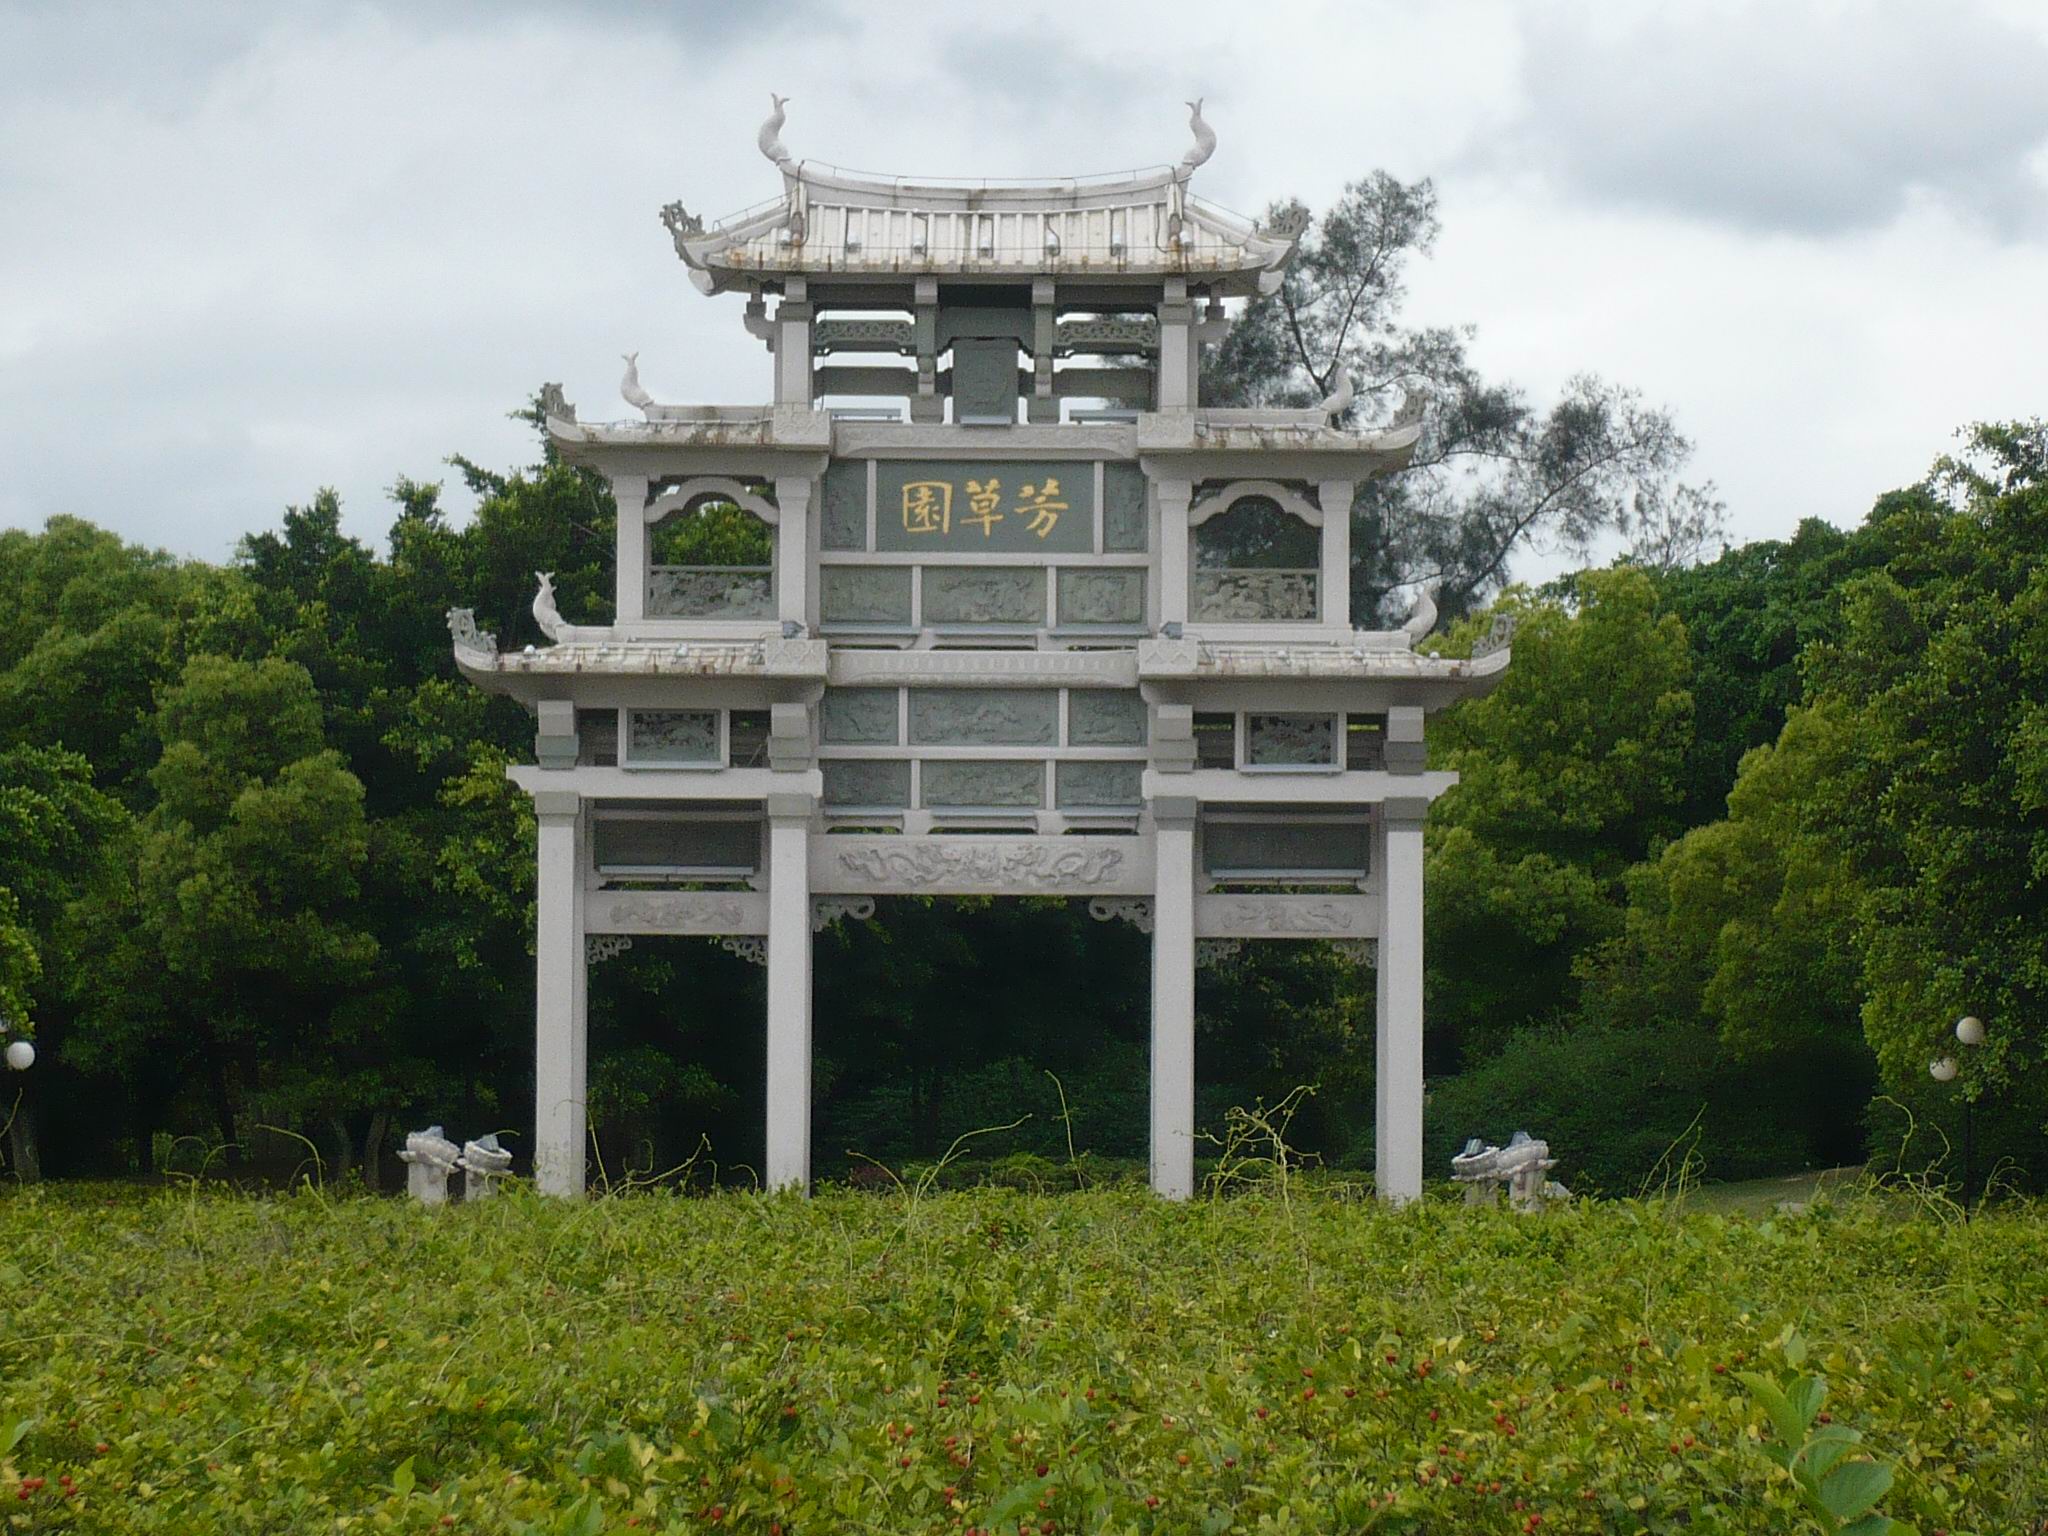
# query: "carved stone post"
{"points": [[789, 992], [793, 318], [1334, 497], [1177, 348], [1175, 497], [1397, 1133], [792, 548], [561, 1041], [629, 580], [1173, 998], [1042, 406]]}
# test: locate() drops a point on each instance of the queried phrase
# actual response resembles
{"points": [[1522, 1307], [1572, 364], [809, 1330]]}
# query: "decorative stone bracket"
{"points": [[827, 910], [1135, 910]]}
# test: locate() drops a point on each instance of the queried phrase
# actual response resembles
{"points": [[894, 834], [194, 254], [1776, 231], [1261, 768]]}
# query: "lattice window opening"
{"points": [[711, 559], [746, 738], [1255, 562], [666, 848], [1215, 740], [597, 738], [1365, 743], [1264, 848]]}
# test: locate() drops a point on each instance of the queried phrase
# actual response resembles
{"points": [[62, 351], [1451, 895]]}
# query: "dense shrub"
{"points": [[178, 1363], [1622, 1108]]}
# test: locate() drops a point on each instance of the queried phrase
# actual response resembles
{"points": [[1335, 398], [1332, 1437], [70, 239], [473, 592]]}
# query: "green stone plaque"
{"points": [[954, 507]]}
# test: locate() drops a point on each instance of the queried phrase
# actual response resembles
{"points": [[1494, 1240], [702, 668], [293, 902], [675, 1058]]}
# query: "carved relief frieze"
{"points": [[681, 912], [1253, 596], [984, 864], [1101, 597], [1280, 915], [864, 336], [1006, 717], [600, 947], [1210, 953], [955, 594], [708, 592]]}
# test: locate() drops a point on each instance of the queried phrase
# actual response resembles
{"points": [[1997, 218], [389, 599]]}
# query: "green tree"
{"points": [[1569, 773], [1492, 471]]}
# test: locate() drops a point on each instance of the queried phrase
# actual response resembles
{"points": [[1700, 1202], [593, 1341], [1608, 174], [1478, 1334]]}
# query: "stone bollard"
{"points": [[1477, 1168], [429, 1158], [1519, 1167], [483, 1163]]}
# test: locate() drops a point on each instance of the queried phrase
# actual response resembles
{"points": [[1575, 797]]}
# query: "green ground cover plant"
{"points": [[1004, 1360]]}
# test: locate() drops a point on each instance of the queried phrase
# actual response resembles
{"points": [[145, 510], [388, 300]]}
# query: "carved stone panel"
{"points": [[1328, 917], [709, 592], [683, 912], [843, 511], [959, 594], [1124, 523], [979, 864], [1245, 597], [671, 736], [1286, 741], [1111, 596], [1087, 786], [864, 594], [969, 783], [984, 717], [858, 717], [879, 782], [1105, 717]]}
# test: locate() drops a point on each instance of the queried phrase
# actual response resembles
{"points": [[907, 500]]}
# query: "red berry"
{"points": [[1043, 1469], [1151, 1501]]}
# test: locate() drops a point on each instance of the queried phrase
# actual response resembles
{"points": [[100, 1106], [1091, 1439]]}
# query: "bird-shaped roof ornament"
{"points": [[1338, 401], [770, 136], [629, 386], [1205, 139]]}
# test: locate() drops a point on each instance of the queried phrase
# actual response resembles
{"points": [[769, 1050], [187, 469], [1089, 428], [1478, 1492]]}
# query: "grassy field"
{"points": [[996, 1360]]}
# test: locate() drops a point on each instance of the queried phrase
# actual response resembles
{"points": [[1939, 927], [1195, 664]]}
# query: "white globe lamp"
{"points": [[1970, 1030], [21, 1055], [1943, 1070]]}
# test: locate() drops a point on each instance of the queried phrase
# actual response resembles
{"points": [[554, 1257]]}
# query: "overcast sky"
{"points": [[251, 248]]}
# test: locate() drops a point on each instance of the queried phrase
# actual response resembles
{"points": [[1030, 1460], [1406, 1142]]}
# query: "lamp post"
{"points": [[1943, 1069]]}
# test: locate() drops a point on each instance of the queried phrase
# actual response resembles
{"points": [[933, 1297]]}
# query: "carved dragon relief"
{"points": [[1251, 914], [1033, 866]]}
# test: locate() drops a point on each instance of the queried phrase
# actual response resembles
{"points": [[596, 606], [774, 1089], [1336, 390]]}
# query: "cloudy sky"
{"points": [[250, 248]]}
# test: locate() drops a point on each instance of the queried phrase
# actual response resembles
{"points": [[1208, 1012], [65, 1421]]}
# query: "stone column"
{"points": [[1334, 497], [561, 1039], [1174, 498], [792, 549], [793, 344], [927, 404], [629, 602], [1397, 1134], [1042, 406], [789, 992], [1177, 348], [1173, 998]]}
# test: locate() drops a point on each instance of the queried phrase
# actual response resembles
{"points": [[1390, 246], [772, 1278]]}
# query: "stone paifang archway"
{"points": [[1010, 642]]}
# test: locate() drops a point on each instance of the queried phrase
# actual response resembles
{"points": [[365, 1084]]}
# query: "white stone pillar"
{"points": [[629, 581], [561, 1039], [1174, 497], [1397, 1134], [789, 992], [1173, 998], [792, 548], [1177, 349], [793, 344], [1334, 497]]}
